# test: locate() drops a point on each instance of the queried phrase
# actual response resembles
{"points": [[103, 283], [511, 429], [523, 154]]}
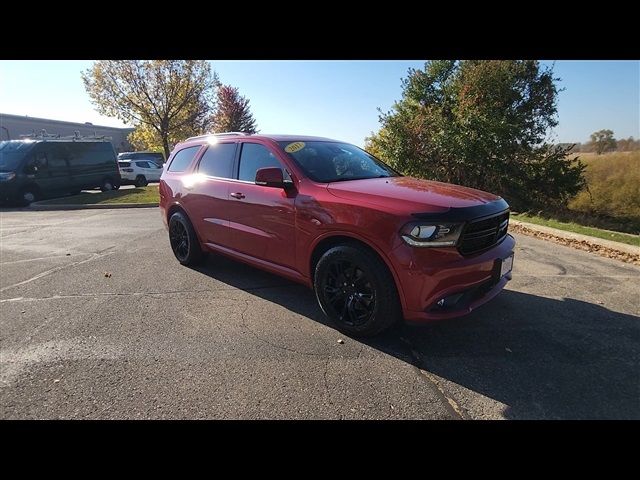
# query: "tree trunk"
{"points": [[165, 145]]}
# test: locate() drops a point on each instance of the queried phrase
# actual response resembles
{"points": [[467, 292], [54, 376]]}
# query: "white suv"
{"points": [[139, 172]]}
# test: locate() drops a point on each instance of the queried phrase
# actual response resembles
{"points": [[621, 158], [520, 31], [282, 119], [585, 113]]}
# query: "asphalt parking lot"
{"points": [[153, 339]]}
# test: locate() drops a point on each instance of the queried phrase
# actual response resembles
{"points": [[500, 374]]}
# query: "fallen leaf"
{"points": [[56, 380], [107, 274], [340, 341]]}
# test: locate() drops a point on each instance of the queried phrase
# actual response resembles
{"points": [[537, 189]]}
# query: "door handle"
{"points": [[237, 195]]}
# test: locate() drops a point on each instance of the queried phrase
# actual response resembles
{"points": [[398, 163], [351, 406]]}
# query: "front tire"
{"points": [[184, 241], [356, 291], [27, 196]]}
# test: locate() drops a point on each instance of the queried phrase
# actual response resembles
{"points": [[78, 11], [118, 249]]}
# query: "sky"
{"points": [[337, 99]]}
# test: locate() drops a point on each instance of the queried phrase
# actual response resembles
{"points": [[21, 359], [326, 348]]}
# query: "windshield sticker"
{"points": [[294, 147]]}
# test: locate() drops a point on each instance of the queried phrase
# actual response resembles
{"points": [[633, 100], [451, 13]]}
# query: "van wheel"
{"points": [[141, 181], [107, 185], [28, 195], [356, 291], [183, 239]]}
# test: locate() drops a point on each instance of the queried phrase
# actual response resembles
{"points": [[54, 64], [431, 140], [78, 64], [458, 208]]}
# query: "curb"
{"points": [[38, 207], [602, 247], [623, 247]]}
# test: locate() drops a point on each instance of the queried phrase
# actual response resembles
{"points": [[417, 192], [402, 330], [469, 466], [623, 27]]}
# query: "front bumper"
{"points": [[427, 276]]}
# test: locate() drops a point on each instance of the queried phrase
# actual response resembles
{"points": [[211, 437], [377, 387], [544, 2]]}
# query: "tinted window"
{"points": [[12, 153], [217, 161], [57, 156], [183, 158], [336, 161], [143, 164], [253, 157], [91, 153]]}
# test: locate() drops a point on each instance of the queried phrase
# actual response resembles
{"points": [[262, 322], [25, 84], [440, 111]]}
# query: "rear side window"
{"points": [[217, 161], [143, 164], [253, 157], [90, 153], [183, 158]]}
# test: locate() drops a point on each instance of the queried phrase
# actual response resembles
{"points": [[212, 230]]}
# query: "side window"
{"points": [[183, 158], [253, 157], [217, 161], [57, 156], [143, 164], [40, 161]]}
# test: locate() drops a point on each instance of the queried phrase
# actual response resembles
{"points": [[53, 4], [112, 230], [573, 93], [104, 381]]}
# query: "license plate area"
{"points": [[506, 266]]}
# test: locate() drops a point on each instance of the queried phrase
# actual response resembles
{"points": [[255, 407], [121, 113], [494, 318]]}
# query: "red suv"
{"points": [[375, 246]]}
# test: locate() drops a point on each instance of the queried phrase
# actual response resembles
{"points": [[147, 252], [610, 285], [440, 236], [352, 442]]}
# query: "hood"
{"points": [[410, 194]]}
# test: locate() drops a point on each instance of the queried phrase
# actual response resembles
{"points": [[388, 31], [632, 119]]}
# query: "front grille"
{"points": [[484, 233]]}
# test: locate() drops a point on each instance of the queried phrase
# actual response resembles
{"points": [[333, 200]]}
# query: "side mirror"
{"points": [[270, 177]]}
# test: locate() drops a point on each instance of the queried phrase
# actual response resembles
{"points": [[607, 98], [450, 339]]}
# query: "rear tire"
{"points": [[356, 291], [141, 181], [107, 185], [184, 241]]}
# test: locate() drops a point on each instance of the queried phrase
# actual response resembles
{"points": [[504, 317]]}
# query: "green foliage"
{"points": [[233, 113], [167, 100], [482, 124], [602, 141]]}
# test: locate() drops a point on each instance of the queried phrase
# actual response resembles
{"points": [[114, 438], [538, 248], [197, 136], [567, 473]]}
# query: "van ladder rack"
{"points": [[76, 137]]}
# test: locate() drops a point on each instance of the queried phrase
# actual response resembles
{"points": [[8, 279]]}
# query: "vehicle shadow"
{"points": [[543, 358]]}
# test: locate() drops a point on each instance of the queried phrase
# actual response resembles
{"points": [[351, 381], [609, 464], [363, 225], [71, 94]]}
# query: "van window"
{"points": [[91, 153], [57, 155], [12, 153], [183, 158], [217, 161]]}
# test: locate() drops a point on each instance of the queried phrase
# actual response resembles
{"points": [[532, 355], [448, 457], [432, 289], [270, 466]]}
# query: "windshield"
{"points": [[11, 153], [336, 161]]}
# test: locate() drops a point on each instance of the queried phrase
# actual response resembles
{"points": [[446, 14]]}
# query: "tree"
{"points": [[603, 141], [166, 100], [481, 124], [232, 114]]}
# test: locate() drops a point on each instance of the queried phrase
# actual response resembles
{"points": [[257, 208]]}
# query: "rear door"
{"points": [[261, 219], [207, 198], [149, 169]]}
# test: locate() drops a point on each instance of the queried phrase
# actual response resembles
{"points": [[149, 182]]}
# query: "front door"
{"points": [[51, 172], [261, 219]]}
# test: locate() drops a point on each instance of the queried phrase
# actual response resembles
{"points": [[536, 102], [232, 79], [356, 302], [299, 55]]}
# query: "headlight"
{"points": [[418, 234], [6, 176]]}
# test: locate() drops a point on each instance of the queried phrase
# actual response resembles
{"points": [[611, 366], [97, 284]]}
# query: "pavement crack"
{"points": [[447, 400], [94, 256]]}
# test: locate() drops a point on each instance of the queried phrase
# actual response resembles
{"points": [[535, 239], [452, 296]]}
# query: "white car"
{"points": [[139, 172]]}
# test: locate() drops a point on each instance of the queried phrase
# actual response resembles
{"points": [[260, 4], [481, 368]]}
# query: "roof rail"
{"points": [[76, 137], [221, 134]]}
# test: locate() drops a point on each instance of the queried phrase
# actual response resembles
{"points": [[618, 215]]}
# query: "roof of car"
{"points": [[263, 136]]}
